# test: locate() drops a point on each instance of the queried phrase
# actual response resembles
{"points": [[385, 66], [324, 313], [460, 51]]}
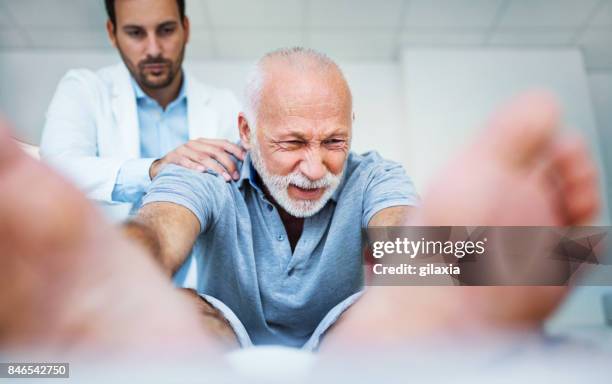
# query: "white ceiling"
{"points": [[346, 29]]}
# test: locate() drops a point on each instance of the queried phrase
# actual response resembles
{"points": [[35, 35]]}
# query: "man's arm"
{"points": [[167, 230], [393, 216]]}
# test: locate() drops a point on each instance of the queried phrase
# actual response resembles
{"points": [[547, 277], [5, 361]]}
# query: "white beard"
{"points": [[278, 186]]}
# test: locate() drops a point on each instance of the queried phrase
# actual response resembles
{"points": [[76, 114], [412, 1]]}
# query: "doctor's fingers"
{"points": [[203, 160], [190, 164], [226, 145], [213, 165], [205, 151]]}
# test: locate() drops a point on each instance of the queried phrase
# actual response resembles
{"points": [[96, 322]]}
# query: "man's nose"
{"points": [[312, 165], [153, 46]]}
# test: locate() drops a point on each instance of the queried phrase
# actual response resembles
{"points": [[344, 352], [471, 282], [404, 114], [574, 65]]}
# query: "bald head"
{"points": [[287, 76]]}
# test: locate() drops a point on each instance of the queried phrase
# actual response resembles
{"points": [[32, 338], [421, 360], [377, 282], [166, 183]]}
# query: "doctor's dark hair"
{"points": [[110, 10]]}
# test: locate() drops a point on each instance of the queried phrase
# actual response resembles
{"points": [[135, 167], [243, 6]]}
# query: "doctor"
{"points": [[111, 131]]}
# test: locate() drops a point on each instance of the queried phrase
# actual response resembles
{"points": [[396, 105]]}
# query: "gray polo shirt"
{"points": [[243, 255]]}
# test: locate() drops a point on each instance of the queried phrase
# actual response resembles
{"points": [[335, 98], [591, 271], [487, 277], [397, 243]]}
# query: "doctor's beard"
{"points": [[278, 185], [173, 68]]}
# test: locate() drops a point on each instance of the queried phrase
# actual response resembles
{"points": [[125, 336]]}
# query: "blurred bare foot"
{"points": [[519, 172], [69, 281]]}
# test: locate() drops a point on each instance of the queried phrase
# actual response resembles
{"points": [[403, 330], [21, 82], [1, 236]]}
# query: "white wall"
{"points": [[450, 94], [601, 95], [38, 72]]}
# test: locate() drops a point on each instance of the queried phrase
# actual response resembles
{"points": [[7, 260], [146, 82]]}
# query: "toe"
{"points": [[578, 179], [522, 131]]}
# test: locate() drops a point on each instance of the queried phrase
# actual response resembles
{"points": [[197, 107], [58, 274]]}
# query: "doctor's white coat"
{"points": [[92, 127]]}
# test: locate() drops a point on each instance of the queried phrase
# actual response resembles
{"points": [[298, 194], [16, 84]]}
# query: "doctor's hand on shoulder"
{"points": [[202, 155]]}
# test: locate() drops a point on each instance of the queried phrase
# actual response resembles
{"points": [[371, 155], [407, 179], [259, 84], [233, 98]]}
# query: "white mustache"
{"points": [[299, 180]]}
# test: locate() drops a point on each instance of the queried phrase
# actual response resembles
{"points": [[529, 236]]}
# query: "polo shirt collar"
{"points": [[248, 173]]}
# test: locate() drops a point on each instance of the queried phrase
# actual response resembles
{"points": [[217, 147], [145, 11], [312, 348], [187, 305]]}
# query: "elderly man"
{"points": [[281, 247], [301, 107]]}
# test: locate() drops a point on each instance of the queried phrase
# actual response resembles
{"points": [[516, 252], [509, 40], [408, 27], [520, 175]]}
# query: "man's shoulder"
{"points": [[206, 195], [363, 171], [89, 78], [190, 175], [380, 183], [192, 181]]}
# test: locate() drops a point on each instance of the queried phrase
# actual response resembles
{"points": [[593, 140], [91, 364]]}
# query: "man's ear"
{"points": [[187, 28], [245, 131], [110, 29]]}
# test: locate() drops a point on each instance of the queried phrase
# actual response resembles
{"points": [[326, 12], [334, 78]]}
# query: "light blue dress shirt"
{"points": [[244, 258], [161, 131]]}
